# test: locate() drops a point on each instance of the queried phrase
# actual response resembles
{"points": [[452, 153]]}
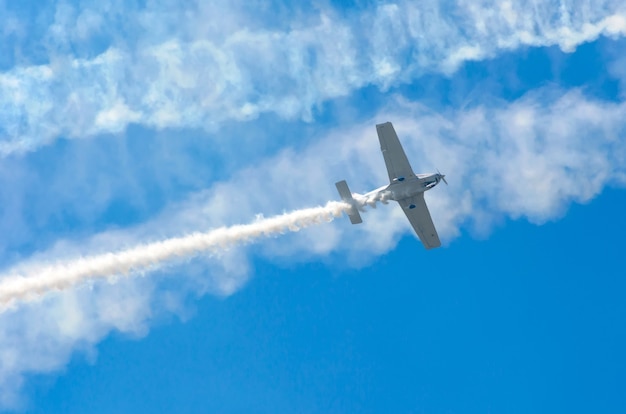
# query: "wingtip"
{"points": [[429, 247]]}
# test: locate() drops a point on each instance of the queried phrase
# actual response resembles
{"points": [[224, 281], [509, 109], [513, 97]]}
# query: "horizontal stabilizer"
{"points": [[346, 195]]}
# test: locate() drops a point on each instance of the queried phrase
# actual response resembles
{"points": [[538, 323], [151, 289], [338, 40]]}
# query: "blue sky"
{"points": [[125, 123]]}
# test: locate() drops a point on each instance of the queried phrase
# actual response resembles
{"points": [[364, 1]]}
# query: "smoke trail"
{"points": [[260, 69], [61, 276]]}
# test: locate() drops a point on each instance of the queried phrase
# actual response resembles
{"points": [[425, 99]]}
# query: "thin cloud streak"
{"points": [[189, 77]]}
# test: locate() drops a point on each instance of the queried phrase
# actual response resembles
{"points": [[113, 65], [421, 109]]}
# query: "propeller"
{"points": [[443, 177]]}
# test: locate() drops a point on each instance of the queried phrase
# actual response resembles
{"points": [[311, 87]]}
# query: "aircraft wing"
{"points": [[398, 166], [419, 216]]}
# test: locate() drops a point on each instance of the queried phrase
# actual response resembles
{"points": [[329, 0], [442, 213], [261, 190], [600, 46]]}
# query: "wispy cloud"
{"points": [[106, 65], [166, 67], [527, 159]]}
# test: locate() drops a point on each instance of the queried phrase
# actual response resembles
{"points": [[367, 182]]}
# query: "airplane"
{"points": [[405, 187]]}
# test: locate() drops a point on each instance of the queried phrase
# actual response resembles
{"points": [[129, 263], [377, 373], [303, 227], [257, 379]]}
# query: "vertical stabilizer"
{"points": [[346, 195]]}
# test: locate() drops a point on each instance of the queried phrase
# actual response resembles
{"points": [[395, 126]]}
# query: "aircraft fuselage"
{"points": [[403, 187]]}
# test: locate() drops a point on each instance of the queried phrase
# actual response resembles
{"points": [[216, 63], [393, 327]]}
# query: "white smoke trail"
{"points": [[60, 276]]}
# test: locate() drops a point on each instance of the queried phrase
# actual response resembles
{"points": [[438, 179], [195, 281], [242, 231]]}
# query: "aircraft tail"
{"points": [[346, 195]]}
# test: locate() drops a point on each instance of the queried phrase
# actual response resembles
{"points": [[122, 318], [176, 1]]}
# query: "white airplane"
{"points": [[405, 187]]}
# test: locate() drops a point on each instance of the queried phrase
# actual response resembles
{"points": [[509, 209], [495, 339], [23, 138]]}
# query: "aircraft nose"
{"points": [[442, 177]]}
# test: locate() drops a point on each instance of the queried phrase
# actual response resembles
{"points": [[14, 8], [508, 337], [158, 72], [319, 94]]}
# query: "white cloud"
{"points": [[529, 159], [180, 66], [115, 118]]}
